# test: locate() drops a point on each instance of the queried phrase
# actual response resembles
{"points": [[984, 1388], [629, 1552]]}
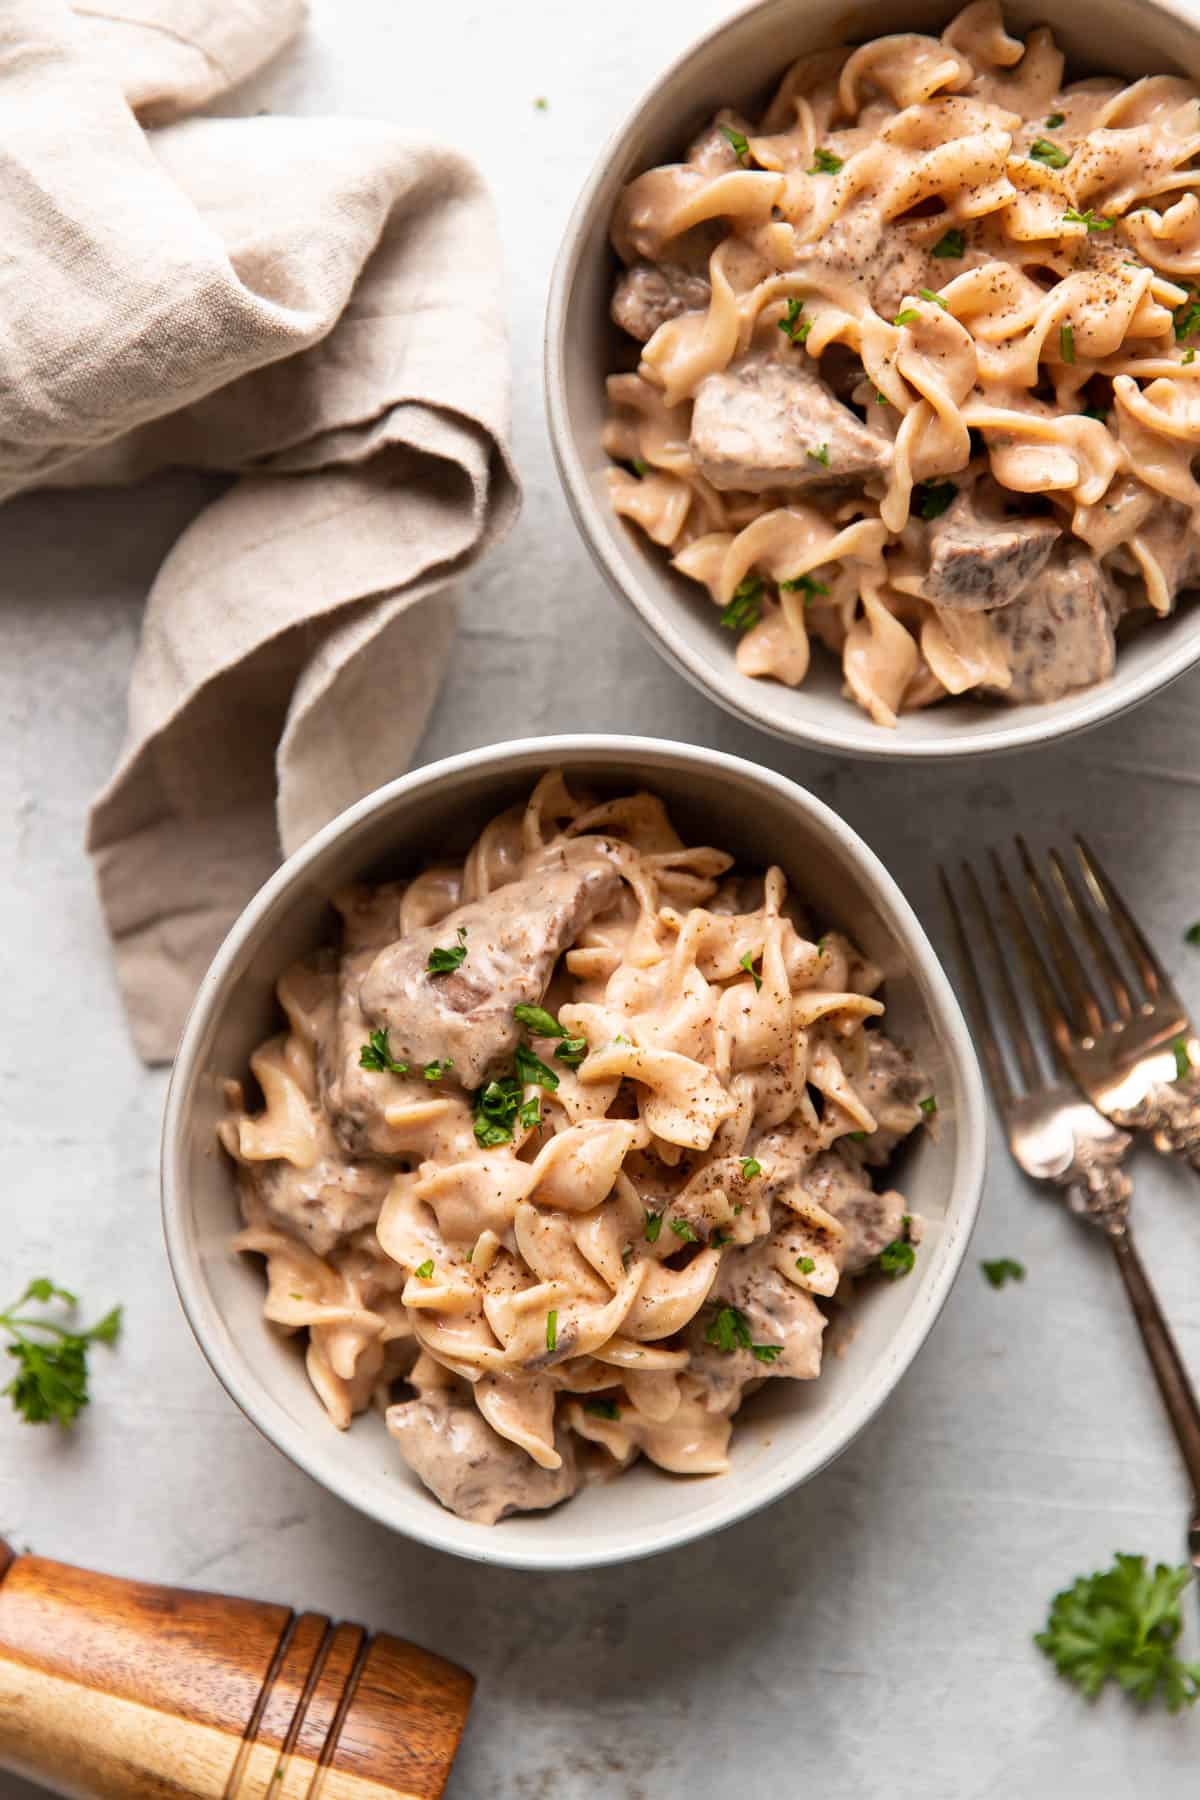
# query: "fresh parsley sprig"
{"points": [[899, 1257], [51, 1382], [1004, 1268], [376, 1055], [1122, 1624], [743, 610], [729, 1330], [444, 959]]}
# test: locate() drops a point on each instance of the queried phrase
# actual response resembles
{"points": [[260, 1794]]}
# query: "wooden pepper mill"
{"points": [[118, 1690]]}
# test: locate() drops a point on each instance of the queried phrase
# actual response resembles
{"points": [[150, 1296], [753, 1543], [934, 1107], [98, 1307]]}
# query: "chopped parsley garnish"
{"points": [[750, 1168], [425, 1271], [539, 1021], [552, 1329], [1183, 1062], [603, 1409], [52, 1360], [433, 1071], [728, 1330], [1088, 218], [820, 454], [805, 1264], [898, 1257], [1003, 1269], [804, 584], [794, 326], [641, 467], [767, 1353], [928, 1105], [496, 1108], [443, 961], [377, 1056], [907, 316], [933, 497], [743, 610], [530, 1114], [934, 299], [1122, 1625], [1054, 121], [683, 1230], [1098, 412], [951, 245], [1189, 356], [857, 1137], [1066, 343], [653, 1226], [571, 1051], [1041, 150], [531, 1069], [747, 962], [1187, 317], [882, 398], [718, 1238], [741, 146], [1192, 934], [824, 163]]}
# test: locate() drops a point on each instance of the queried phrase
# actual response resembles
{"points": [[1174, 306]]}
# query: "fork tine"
{"points": [[1081, 996], [1154, 977], [1022, 1042], [992, 1056], [1084, 917], [1057, 1028]]}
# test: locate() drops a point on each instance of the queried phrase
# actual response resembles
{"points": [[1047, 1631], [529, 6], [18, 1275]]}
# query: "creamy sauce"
{"points": [[648, 1233], [1005, 266]]}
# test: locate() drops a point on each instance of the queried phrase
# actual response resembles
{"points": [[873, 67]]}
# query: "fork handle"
{"points": [[1174, 1382]]}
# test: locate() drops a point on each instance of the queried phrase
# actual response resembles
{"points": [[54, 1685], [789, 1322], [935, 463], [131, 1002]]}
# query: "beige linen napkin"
{"points": [[312, 306]]}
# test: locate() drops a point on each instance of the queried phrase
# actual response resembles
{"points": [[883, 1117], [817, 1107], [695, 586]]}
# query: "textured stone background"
{"points": [[868, 1636]]}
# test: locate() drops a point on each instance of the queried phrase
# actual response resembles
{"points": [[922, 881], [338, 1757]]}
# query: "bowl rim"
{"points": [[1106, 701], [304, 1447]]}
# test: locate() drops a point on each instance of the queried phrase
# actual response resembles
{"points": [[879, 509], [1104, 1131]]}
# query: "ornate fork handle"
{"points": [[1170, 1112], [1097, 1187]]}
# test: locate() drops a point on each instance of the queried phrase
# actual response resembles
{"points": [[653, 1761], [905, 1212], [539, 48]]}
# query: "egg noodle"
{"points": [[932, 312], [573, 1136]]}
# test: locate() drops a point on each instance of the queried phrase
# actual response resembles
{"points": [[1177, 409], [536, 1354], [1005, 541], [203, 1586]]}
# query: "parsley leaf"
{"points": [[377, 1056], [898, 1257], [750, 1168], [433, 1071], [1122, 1624], [1003, 1269], [424, 1271], [1189, 356], [820, 454], [803, 584], [728, 1330], [603, 1409], [532, 1070], [1098, 412], [51, 1382], [794, 326], [1192, 934], [539, 1021], [933, 497], [653, 1226], [640, 467], [747, 962], [1088, 218], [1041, 150], [496, 1107], [741, 146], [1187, 317], [824, 163], [929, 1105], [683, 1230], [552, 1329], [805, 1264], [444, 961], [530, 1114], [571, 1051], [1054, 121], [1066, 343], [1183, 1061], [907, 316], [934, 299], [743, 610], [952, 244], [767, 1353]]}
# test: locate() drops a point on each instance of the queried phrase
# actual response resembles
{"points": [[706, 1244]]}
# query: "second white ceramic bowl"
{"points": [[790, 1430], [737, 65]]}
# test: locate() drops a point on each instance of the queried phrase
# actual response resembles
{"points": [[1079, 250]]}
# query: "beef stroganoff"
{"points": [[572, 1138], [918, 377]]}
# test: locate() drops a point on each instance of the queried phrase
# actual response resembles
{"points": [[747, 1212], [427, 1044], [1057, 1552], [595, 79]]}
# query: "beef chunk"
{"points": [[649, 294], [322, 1205], [1059, 636], [472, 1470], [870, 1220], [764, 424], [777, 1314], [893, 1087], [976, 561]]}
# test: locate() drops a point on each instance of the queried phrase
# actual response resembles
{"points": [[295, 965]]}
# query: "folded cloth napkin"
{"points": [[312, 306]]}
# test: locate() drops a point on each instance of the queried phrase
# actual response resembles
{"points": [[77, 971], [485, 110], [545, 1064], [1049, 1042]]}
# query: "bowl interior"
{"points": [[792, 1428], [738, 65]]}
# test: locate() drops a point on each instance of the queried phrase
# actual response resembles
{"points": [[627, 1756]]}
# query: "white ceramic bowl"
{"points": [[738, 64], [788, 1432]]}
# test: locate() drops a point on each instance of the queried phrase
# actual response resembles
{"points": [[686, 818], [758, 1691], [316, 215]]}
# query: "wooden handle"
{"points": [[118, 1690]]}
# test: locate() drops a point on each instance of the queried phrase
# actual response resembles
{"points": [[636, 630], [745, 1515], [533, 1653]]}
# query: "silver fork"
{"points": [[1133, 1050], [1057, 1136]]}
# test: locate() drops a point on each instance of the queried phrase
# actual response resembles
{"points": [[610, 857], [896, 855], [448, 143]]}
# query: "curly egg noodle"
{"points": [[573, 1137], [933, 300]]}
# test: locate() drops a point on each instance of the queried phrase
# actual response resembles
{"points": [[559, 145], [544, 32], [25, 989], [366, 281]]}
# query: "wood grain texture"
{"points": [[121, 1690]]}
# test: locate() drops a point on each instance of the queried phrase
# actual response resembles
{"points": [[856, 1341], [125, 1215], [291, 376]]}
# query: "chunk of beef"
{"points": [[473, 1472], [777, 1314], [871, 1220], [1060, 635], [649, 294], [322, 1205], [978, 561], [763, 424], [893, 1088]]}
